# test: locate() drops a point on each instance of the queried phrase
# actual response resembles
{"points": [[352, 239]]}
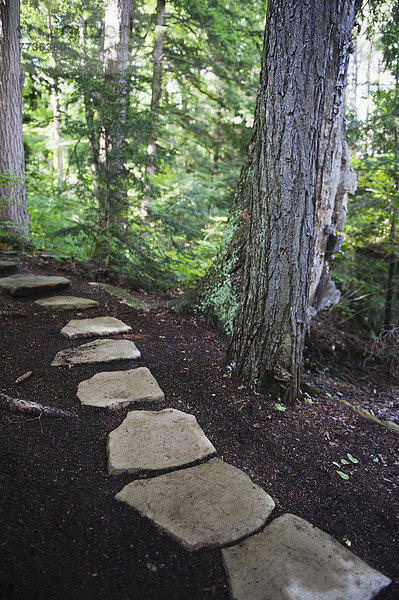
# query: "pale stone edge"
{"points": [[385, 581], [65, 306], [119, 404], [208, 454], [114, 404], [75, 335], [56, 363]]}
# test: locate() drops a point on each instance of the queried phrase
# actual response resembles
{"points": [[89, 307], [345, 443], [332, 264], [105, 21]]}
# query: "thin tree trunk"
{"points": [[14, 218], [392, 271], [156, 91], [55, 141], [115, 102], [393, 241]]}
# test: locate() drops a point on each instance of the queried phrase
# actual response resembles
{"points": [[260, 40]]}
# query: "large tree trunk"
{"points": [[272, 274], [14, 219]]}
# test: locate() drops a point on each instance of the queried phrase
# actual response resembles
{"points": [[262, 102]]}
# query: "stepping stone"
{"points": [[150, 441], [80, 328], [25, 284], [212, 504], [96, 352], [7, 267], [118, 389], [293, 559], [67, 303]]}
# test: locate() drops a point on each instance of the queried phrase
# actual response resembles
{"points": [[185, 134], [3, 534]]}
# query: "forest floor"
{"points": [[62, 534]]}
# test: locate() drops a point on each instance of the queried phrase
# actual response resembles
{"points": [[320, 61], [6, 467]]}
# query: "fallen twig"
{"points": [[23, 377], [16, 405]]}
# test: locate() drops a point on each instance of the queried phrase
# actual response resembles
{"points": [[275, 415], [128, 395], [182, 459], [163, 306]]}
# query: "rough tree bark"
{"points": [[272, 274], [14, 219]]}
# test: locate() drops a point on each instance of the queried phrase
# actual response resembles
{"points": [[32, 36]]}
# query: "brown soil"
{"points": [[62, 534]]}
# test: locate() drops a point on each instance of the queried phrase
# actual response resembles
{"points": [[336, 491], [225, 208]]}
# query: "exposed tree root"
{"points": [[367, 415]]}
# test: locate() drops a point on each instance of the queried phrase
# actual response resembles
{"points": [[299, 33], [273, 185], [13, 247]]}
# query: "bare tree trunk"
{"points": [[90, 104], [14, 218], [392, 271], [115, 102], [393, 241], [55, 141]]}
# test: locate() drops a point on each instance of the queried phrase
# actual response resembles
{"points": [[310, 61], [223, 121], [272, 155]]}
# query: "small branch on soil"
{"points": [[23, 377], [16, 405]]}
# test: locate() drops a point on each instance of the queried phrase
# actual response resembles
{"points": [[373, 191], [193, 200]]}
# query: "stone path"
{"points": [[118, 389], [152, 441], [211, 503], [81, 328], [96, 352], [25, 284], [293, 559], [67, 303]]}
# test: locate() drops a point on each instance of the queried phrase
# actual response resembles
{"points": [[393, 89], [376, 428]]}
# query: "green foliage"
{"points": [[210, 73], [365, 270]]}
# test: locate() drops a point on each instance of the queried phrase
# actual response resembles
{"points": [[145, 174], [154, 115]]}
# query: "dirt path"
{"points": [[57, 542]]}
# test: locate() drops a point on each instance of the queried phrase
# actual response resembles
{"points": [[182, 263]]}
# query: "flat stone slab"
{"points": [[25, 284], [67, 303], [80, 328], [211, 504], [118, 389], [292, 559], [150, 441], [6, 266], [97, 351]]}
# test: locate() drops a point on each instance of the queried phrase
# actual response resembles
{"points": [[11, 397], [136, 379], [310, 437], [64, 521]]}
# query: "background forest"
{"points": [[132, 161]]}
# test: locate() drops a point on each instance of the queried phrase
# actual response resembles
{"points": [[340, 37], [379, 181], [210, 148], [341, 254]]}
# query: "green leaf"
{"points": [[280, 406], [344, 461], [352, 459], [343, 475]]}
